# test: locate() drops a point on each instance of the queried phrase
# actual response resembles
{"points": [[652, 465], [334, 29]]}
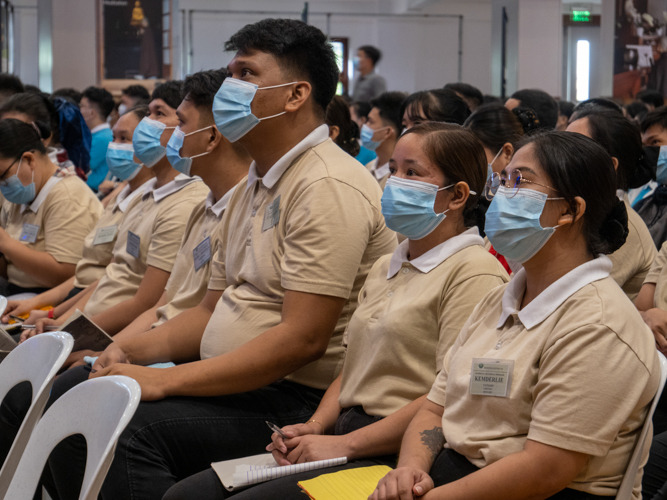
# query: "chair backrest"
{"points": [[628, 483], [99, 409], [37, 361]]}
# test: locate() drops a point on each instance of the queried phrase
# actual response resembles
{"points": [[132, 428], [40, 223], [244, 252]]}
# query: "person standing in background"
{"points": [[96, 105], [368, 85]]}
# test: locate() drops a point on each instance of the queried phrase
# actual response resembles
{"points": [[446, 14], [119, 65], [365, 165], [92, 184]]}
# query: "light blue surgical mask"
{"points": [[146, 141], [14, 191], [661, 171], [120, 160], [231, 108], [513, 224], [366, 137], [407, 207], [183, 165]]}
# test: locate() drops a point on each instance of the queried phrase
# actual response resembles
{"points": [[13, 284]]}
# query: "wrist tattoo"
{"points": [[434, 440]]}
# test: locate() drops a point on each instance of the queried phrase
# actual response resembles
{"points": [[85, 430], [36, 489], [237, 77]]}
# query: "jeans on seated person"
{"points": [[207, 486], [174, 438]]}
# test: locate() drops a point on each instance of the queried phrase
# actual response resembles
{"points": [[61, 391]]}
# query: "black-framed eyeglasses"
{"points": [[3, 182], [512, 182]]}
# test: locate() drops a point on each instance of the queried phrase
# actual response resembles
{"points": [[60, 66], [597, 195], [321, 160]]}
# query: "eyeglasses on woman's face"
{"points": [[512, 181]]}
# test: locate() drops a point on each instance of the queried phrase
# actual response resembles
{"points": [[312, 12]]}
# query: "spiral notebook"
{"points": [[244, 472]]}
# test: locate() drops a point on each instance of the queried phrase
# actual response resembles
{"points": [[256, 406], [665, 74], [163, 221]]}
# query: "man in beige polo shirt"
{"points": [[299, 237], [221, 165], [148, 238]]}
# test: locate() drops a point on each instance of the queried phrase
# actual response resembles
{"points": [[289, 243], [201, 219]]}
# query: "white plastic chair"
{"points": [[37, 361], [99, 409], [628, 483]]}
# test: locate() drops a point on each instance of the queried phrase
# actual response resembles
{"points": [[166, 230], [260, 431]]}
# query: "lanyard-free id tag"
{"points": [[105, 235], [272, 214], [491, 377], [29, 233], [202, 253], [133, 244]]}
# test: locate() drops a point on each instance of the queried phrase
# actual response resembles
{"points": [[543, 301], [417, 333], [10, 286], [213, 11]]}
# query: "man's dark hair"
{"points": [[301, 50], [652, 97], [565, 108], [637, 109], [597, 103], [467, 91], [438, 105], [101, 98], [389, 105], [10, 85], [542, 103], [201, 87], [362, 108], [69, 93], [372, 52], [170, 92], [656, 117], [137, 92]]}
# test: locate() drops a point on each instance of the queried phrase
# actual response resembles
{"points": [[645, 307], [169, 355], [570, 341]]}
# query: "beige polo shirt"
{"points": [[188, 282], [380, 173], [312, 224], [410, 312], [585, 372], [633, 260], [158, 219], [57, 222], [658, 276], [98, 245]]}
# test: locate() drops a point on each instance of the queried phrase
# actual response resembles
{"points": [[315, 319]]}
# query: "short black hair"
{"points": [[597, 103], [565, 108], [170, 92], [542, 103], [637, 109], [656, 117], [137, 92], [69, 93], [652, 97], [372, 52], [389, 105], [468, 91], [10, 84], [32, 89], [438, 105], [38, 108], [201, 87], [101, 98], [362, 108], [303, 51]]}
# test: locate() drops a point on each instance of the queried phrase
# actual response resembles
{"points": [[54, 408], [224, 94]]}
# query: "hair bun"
{"points": [[614, 230], [528, 118]]}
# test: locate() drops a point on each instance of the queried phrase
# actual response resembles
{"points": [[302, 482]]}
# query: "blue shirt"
{"points": [[365, 155], [102, 136]]}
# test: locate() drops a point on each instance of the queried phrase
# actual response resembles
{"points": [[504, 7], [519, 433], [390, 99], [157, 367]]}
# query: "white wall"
{"points": [[25, 39]]}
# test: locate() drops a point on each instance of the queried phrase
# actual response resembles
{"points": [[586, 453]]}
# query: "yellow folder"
{"points": [[352, 484]]}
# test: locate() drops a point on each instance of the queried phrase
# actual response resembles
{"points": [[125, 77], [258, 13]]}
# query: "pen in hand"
{"points": [[275, 428]]}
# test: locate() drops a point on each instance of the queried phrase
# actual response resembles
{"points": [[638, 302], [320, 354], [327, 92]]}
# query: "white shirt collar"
{"points": [[99, 127], [39, 199], [124, 198], [435, 256], [219, 207], [317, 136], [179, 182], [555, 294], [382, 171]]}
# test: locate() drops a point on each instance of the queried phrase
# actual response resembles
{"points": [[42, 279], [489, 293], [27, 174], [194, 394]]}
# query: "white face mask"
{"points": [[122, 109]]}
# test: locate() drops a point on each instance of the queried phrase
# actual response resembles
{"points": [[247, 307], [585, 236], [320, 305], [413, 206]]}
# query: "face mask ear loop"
{"points": [[474, 193], [197, 131], [496, 157], [19, 168], [276, 86]]}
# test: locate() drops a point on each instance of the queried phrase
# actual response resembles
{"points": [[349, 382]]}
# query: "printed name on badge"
{"points": [[133, 244], [202, 253], [105, 235], [491, 377], [29, 233], [272, 215]]}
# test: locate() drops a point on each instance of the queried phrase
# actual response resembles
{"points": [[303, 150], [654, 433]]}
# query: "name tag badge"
{"points": [[29, 233], [272, 215], [491, 377], [202, 253], [105, 235], [133, 244]]}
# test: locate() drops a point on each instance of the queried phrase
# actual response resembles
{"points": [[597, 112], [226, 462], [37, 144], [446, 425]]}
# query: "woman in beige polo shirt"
{"points": [[411, 308], [47, 217], [99, 243], [622, 140], [545, 390]]}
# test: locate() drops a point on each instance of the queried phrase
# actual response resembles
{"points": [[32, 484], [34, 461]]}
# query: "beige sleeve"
{"points": [[328, 229], [457, 306], [218, 279], [576, 399], [658, 265], [66, 225]]}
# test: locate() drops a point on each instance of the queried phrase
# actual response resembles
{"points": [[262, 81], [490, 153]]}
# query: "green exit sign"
{"points": [[581, 16]]}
